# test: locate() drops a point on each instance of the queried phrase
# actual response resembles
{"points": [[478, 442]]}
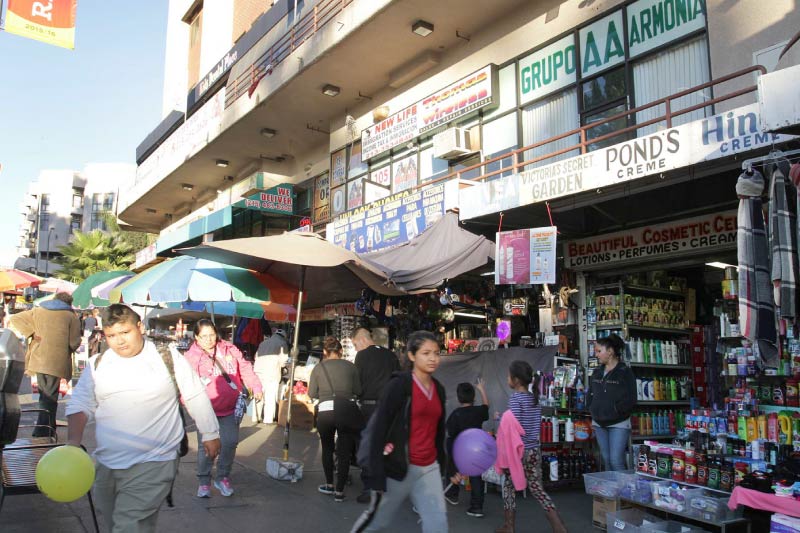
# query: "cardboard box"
{"points": [[302, 414], [601, 506]]}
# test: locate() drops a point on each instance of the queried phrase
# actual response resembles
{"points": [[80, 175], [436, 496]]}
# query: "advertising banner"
{"points": [[707, 139], [391, 221], [706, 233], [322, 197], [373, 192], [355, 193], [404, 174], [547, 70], [652, 23], [339, 167], [279, 199], [602, 44], [526, 256], [51, 22], [338, 200], [454, 101]]}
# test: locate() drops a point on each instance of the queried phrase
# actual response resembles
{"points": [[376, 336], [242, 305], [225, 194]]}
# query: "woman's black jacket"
{"points": [[612, 397], [390, 423]]}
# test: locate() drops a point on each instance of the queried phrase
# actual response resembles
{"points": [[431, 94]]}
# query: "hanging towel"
{"points": [[756, 308], [783, 241]]}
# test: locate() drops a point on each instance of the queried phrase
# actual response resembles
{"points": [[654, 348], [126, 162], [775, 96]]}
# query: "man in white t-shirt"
{"points": [[130, 393]]}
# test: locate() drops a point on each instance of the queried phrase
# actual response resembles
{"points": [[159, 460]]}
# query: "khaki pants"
{"points": [[129, 499], [267, 368]]}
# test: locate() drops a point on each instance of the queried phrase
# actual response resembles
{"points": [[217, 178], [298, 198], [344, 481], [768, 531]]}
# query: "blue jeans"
{"points": [[613, 443]]}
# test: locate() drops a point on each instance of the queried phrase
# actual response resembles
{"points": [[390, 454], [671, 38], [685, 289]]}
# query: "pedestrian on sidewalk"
{"points": [[467, 416], [334, 382], [375, 365], [404, 442], [55, 333], [223, 370], [611, 400], [270, 356], [524, 405], [131, 393]]}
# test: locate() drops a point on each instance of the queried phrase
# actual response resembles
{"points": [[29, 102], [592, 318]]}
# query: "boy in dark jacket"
{"points": [[466, 417]]}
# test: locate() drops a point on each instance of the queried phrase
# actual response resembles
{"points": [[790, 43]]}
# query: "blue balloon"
{"points": [[474, 452]]}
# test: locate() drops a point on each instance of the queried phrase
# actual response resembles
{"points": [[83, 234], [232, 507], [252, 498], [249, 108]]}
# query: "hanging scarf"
{"points": [[783, 242], [756, 309]]}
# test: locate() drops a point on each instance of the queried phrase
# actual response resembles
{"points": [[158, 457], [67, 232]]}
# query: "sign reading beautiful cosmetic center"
{"points": [[454, 101], [526, 256], [711, 138], [683, 237]]}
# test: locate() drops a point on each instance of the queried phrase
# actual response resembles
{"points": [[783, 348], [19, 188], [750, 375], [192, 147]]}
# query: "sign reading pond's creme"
{"points": [[674, 239], [702, 140], [393, 220]]}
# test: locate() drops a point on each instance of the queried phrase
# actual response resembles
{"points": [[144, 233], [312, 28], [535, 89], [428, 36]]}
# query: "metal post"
{"points": [[38, 231], [294, 354], [47, 261]]}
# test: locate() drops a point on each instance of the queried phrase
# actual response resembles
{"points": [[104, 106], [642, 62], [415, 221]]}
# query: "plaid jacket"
{"points": [[783, 242]]}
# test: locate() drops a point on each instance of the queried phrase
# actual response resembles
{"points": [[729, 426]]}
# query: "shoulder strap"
{"points": [[166, 356], [219, 365], [97, 361], [328, 378]]}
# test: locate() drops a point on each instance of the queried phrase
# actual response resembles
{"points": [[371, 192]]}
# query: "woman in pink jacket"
{"points": [[222, 369]]}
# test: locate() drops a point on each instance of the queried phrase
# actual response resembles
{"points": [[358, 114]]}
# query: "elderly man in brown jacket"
{"points": [[55, 333]]}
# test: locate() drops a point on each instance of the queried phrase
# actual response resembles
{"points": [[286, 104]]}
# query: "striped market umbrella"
{"points": [[82, 297], [57, 285], [103, 291], [12, 279], [189, 279], [270, 311]]}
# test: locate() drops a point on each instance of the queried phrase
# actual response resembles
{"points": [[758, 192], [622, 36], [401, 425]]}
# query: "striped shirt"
{"points": [[529, 415]]}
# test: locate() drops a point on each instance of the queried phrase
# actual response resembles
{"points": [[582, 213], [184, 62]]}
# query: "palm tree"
{"points": [[93, 252]]}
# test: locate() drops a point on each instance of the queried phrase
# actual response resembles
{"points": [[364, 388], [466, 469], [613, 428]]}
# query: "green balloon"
{"points": [[64, 474]]}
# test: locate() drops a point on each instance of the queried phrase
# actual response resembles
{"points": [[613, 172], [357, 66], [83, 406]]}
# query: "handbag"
{"points": [[245, 395], [346, 413]]}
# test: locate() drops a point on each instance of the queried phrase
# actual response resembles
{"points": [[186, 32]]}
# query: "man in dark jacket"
{"points": [[375, 365], [55, 333]]}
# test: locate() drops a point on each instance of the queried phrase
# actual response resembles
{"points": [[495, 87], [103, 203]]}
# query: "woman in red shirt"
{"points": [[405, 443]]}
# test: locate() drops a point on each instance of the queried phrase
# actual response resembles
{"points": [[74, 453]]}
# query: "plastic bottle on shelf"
{"points": [[672, 428], [556, 424], [673, 389], [646, 350], [569, 431], [639, 350], [659, 352]]}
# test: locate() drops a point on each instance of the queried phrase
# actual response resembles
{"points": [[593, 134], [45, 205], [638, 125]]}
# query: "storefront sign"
{"points": [[343, 309], [455, 101], [278, 199], [547, 69], [144, 256], [355, 193], [391, 221], [219, 70], [339, 167], [322, 197], [304, 226], [652, 23], [683, 237], [404, 174], [338, 201], [52, 22], [602, 44], [526, 256], [382, 176], [711, 138]]}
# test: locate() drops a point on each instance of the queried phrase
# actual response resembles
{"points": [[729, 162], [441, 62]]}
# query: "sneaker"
{"points": [[364, 497], [452, 500], [224, 487], [476, 512], [204, 491], [338, 496], [326, 489]]}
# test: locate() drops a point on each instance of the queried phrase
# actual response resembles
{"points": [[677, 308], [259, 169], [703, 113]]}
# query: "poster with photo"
{"points": [[338, 200], [543, 255], [355, 193], [382, 176], [404, 174], [526, 256], [373, 192], [339, 167], [356, 166]]}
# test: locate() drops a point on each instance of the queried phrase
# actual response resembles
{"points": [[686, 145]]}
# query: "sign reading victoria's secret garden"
{"points": [[674, 239]]}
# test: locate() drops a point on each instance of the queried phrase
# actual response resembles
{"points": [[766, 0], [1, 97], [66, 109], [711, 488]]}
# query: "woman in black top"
{"points": [[612, 399], [336, 384]]}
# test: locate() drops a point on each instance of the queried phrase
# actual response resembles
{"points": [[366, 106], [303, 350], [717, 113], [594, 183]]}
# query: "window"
{"points": [[500, 137], [604, 128], [507, 94], [431, 167], [75, 222], [45, 203], [44, 222], [603, 97], [357, 167], [98, 221], [194, 31], [97, 202], [602, 90], [547, 118], [108, 202], [77, 201]]}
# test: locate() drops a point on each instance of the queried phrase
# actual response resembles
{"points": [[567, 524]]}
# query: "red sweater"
{"points": [[425, 415]]}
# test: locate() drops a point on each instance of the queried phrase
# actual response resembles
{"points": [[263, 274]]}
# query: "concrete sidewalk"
{"points": [[262, 503]]}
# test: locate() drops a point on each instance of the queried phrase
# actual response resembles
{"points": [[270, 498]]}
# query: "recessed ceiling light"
{"points": [[150, 210], [331, 90], [222, 163], [187, 186], [422, 28], [268, 133]]}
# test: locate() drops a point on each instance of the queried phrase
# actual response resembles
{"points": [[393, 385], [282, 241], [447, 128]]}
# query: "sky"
{"points": [[62, 109]]}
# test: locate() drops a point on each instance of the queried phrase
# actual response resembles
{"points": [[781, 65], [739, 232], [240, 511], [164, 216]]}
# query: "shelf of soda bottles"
{"points": [[660, 365], [662, 402]]}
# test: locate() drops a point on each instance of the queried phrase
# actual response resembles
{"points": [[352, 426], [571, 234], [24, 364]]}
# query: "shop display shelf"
{"points": [[643, 438], [722, 524], [568, 359], [659, 366], [662, 402], [638, 289], [651, 329], [603, 327], [715, 491], [562, 443]]}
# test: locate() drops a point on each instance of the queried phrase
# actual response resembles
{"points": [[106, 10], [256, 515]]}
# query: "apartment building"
{"points": [[59, 202], [594, 115]]}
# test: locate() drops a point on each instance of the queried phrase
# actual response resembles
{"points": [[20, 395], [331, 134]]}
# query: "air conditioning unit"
{"points": [[452, 143]]}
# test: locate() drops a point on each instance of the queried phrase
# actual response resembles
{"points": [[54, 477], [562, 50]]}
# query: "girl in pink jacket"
{"points": [[222, 369]]}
